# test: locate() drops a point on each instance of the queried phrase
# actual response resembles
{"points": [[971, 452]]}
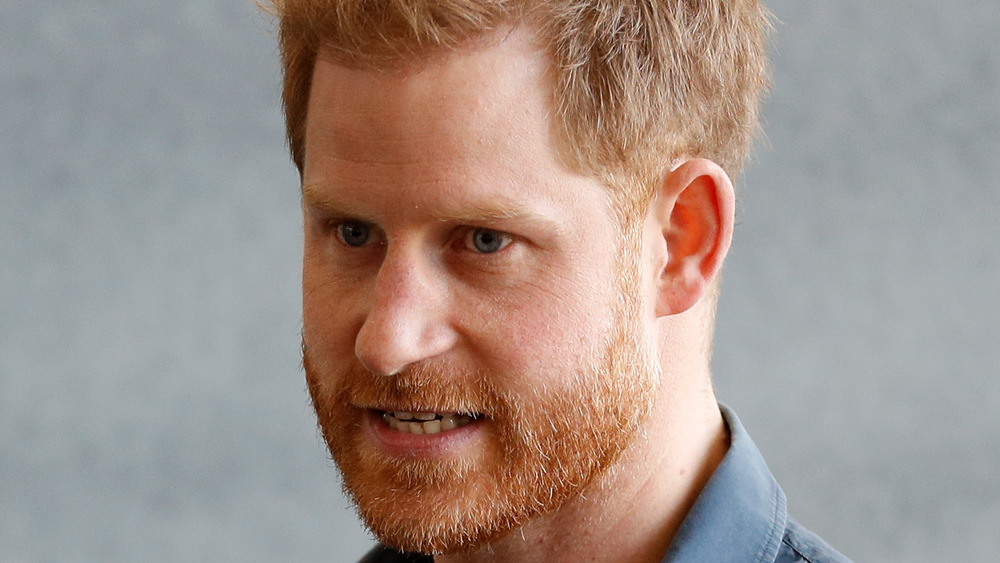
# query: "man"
{"points": [[515, 218]]}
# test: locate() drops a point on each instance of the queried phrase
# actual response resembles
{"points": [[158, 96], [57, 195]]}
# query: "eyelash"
{"points": [[469, 240], [336, 227], [465, 241]]}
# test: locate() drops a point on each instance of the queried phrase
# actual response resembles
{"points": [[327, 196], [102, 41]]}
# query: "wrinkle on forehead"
{"points": [[495, 86], [466, 137]]}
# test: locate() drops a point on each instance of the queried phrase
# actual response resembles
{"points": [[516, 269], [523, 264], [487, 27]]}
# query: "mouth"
{"points": [[426, 422]]}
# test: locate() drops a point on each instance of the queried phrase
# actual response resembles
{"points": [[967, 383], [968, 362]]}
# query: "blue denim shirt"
{"points": [[740, 516]]}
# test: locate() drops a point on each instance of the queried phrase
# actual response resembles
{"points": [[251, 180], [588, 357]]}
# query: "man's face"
{"points": [[456, 271]]}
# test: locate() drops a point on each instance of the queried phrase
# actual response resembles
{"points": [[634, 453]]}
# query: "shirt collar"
{"points": [[741, 513]]}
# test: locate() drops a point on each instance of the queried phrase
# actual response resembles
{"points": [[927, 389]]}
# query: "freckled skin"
{"points": [[420, 159], [582, 345], [452, 151]]}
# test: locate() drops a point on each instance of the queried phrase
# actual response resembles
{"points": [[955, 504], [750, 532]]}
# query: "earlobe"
{"points": [[694, 214]]}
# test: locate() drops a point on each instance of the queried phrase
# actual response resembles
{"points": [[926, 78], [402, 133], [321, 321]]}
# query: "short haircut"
{"points": [[638, 84]]}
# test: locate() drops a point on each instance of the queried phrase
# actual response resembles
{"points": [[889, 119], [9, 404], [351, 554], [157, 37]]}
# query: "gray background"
{"points": [[151, 402]]}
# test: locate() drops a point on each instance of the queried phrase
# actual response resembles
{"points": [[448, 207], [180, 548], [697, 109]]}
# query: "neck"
{"points": [[633, 512]]}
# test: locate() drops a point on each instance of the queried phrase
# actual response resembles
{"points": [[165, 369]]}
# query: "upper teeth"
{"points": [[424, 422]]}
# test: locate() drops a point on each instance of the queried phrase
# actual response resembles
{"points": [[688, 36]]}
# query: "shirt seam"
{"points": [[796, 550], [775, 501]]}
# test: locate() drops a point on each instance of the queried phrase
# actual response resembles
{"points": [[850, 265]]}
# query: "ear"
{"points": [[692, 216]]}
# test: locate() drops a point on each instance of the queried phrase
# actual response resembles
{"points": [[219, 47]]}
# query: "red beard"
{"points": [[539, 448]]}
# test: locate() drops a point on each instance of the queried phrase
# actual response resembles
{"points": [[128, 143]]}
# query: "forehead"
{"points": [[464, 121], [499, 89]]}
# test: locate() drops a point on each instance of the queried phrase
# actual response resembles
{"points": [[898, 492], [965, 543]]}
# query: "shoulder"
{"points": [[383, 554], [799, 544]]}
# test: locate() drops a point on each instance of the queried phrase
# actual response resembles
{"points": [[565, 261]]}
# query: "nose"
{"points": [[407, 319]]}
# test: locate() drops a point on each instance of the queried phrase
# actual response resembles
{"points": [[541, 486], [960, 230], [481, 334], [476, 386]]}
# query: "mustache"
{"points": [[422, 387]]}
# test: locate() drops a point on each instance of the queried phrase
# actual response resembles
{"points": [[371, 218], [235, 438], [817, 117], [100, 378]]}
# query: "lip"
{"points": [[403, 444]]}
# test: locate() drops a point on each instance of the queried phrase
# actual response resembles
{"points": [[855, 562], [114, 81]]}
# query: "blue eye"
{"points": [[488, 241], [354, 233]]}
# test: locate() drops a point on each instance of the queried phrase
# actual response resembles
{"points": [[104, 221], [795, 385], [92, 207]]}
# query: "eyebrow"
{"points": [[487, 211], [314, 196], [478, 212]]}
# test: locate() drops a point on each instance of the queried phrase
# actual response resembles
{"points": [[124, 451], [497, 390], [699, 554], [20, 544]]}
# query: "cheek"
{"points": [[551, 325], [329, 320]]}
